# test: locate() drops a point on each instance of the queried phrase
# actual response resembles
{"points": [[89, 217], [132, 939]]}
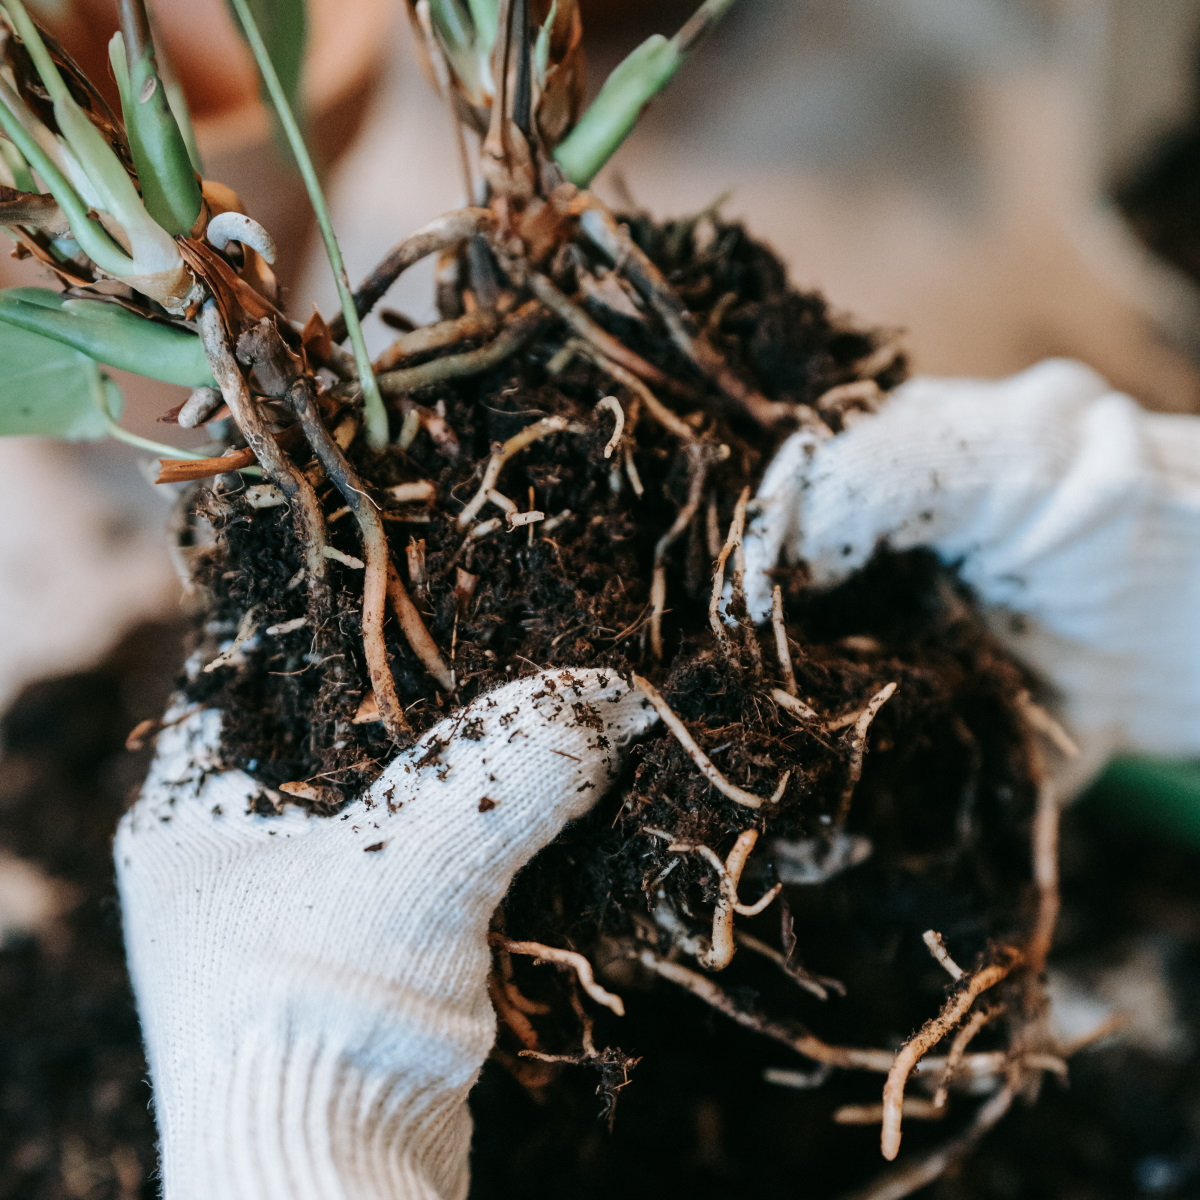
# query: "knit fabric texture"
{"points": [[1072, 513], [313, 991]]}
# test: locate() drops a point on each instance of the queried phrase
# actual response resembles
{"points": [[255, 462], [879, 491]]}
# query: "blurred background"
{"points": [[997, 180]]}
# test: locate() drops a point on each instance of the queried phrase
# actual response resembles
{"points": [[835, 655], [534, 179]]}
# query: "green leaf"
{"points": [[613, 114], [374, 412], [170, 189], [109, 334], [283, 25], [47, 389], [485, 15], [633, 84]]}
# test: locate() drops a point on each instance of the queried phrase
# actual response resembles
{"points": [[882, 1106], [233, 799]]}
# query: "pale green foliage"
{"points": [[626, 92], [612, 115], [160, 153], [47, 389], [109, 334]]}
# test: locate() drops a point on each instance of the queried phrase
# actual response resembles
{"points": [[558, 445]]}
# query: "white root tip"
{"points": [[229, 227], [199, 407]]}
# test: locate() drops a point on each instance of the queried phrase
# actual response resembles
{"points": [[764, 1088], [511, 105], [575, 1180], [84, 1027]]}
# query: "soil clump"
{"points": [[903, 786]]}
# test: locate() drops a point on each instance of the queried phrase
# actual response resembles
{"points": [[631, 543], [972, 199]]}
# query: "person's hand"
{"points": [[313, 991], [1072, 513]]}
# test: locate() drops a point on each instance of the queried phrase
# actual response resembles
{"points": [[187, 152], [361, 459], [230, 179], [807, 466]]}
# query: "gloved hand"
{"points": [[1072, 513], [313, 991]]}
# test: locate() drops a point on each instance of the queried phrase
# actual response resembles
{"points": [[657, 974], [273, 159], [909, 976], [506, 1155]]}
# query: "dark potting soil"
{"points": [[942, 812], [74, 1101], [698, 1119]]}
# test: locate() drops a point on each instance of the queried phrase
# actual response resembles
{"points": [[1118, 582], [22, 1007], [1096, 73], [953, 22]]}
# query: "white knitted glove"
{"points": [[313, 991], [1073, 514]]}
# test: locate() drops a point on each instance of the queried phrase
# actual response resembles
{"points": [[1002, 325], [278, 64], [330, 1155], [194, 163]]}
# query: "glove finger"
{"points": [[927, 470], [505, 773]]}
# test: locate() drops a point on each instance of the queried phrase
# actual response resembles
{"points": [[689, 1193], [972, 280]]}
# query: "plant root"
{"points": [[565, 958], [279, 468], [631, 381], [782, 651], [895, 1185], [451, 230], [416, 633], [1046, 820], [613, 405], [602, 229], [504, 977], [722, 945], [794, 705], [928, 1036], [706, 766], [977, 1066], [595, 336], [937, 947], [500, 455], [736, 529], [517, 332], [872, 1114], [482, 323], [858, 749], [802, 1042], [958, 1047], [375, 551], [699, 457], [816, 985]]}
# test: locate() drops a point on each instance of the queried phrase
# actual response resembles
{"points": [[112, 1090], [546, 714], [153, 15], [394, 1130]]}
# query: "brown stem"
{"points": [[521, 327], [447, 231], [484, 322], [375, 554], [279, 468]]}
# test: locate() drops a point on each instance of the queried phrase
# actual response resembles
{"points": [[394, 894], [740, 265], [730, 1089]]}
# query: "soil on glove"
{"points": [[935, 834]]}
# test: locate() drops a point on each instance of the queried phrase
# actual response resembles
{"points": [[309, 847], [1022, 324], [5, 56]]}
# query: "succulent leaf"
{"points": [[110, 334], [612, 115], [626, 92], [170, 190], [46, 389]]}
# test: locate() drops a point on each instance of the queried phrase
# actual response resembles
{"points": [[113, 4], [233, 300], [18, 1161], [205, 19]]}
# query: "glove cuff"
{"points": [[282, 1115]]}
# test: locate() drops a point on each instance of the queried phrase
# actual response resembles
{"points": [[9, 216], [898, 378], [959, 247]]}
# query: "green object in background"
{"points": [[1157, 795]]}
